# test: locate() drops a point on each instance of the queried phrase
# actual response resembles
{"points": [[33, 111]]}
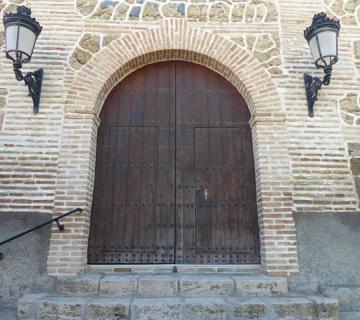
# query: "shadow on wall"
{"points": [[23, 268], [329, 254]]}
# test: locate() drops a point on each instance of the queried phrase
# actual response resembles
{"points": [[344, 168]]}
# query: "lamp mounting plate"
{"points": [[312, 86], [34, 81]]}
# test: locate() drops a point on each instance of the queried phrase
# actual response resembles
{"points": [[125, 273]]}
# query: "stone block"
{"points": [[90, 42], [61, 308], [85, 7], [357, 185], [349, 104], [82, 285], [173, 10], [26, 306], [121, 11], [79, 58], [350, 315], [193, 286], [355, 166], [121, 286], [135, 13], [354, 149], [108, 308], [260, 285], [292, 308], [151, 12], [254, 308], [158, 286], [205, 309], [348, 297], [219, 12], [197, 12], [326, 308], [156, 309]]}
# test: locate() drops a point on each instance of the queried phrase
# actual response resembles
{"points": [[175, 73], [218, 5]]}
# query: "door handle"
{"points": [[206, 194], [200, 187]]}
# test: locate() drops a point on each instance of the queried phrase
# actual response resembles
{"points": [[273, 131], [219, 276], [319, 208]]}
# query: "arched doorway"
{"points": [[174, 178]]}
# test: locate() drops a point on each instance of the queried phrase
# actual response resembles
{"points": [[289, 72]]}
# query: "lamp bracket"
{"points": [[33, 80], [313, 85]]}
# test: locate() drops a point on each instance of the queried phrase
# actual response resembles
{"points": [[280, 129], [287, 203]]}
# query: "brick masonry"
{"points": [[47, 160]]}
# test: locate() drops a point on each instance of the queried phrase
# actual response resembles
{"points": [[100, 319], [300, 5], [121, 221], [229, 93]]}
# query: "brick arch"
{"points": [[174, 39]]}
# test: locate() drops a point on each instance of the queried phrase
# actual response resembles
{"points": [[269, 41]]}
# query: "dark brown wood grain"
{"points": [[170, 133]]}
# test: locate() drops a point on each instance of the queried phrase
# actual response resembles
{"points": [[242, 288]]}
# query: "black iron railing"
{"points": [[56, 220]]}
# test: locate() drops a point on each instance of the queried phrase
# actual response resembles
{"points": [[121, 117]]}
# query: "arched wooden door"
{"points": [[174, 179]]}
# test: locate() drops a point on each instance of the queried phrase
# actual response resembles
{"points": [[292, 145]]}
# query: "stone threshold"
{"points": [[176, 268]]}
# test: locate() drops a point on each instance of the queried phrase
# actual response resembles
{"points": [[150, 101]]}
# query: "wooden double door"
{"points": [[174, 177]]}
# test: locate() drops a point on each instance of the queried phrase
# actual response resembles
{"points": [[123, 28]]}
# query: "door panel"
{"points": [[224, 219], [214, 149], [169, 132], [133, 216]]}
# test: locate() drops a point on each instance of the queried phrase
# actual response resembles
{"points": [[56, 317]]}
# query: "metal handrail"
{"points": [[59, 225]]}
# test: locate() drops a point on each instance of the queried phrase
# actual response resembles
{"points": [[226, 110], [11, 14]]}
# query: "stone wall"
{"points": [[195, 10], [328, 251], [23, 267], [47, 159], [354, 153]]}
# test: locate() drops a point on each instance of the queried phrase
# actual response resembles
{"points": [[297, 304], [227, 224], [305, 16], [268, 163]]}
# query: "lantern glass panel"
{"points": [[328, 45], [26, 43], [314, 48], [11, 40]]}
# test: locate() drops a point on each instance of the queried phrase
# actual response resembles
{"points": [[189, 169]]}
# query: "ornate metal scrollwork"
{"points": [[33, 81], [313, 85]]}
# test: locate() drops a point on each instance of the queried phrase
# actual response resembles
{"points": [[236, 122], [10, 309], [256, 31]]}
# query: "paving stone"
{"points": [[156, 309], [348, 297], [121, 286], [193, 286], [292, 308], [82, 285], [108, 308], [253, 308], [205, 309], [61, 308], [157, 286], [260, 285]]}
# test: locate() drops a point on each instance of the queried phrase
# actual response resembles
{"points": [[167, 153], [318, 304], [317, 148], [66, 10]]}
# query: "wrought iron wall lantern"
{"points": [[21, 33], [322, 37]]}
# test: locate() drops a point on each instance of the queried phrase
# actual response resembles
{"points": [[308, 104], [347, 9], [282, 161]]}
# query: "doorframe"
{"points": [[175, 40]]}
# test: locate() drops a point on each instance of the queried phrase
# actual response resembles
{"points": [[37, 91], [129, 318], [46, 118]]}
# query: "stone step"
{"points": [[348, 296], [349, 315], [7, 313], [181, 268], [59, 307], [170, 285]]}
